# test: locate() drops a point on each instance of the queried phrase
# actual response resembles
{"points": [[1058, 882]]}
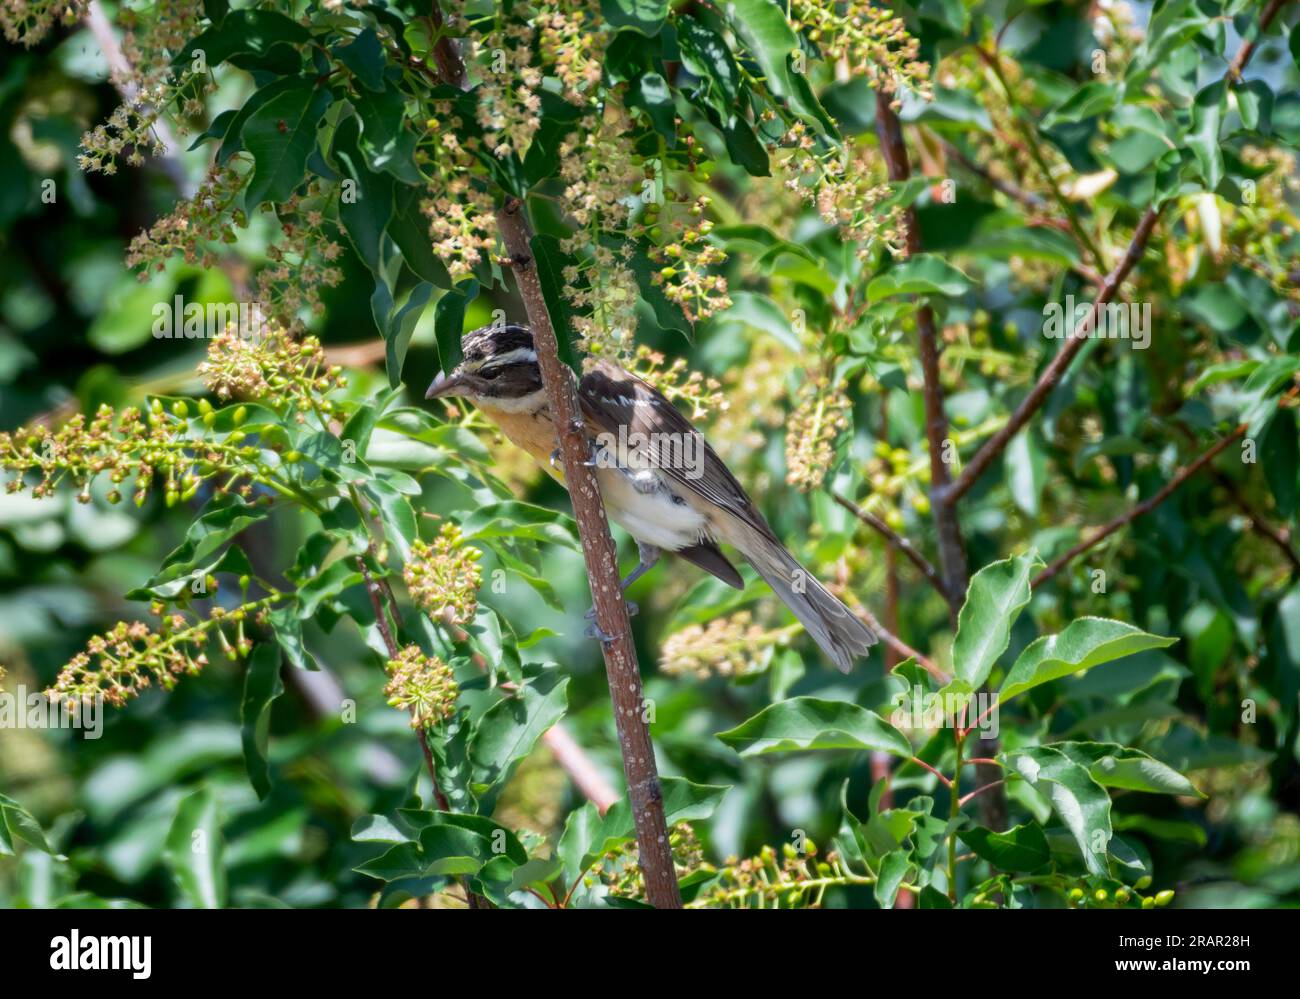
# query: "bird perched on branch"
{"points": [[659, 479]]}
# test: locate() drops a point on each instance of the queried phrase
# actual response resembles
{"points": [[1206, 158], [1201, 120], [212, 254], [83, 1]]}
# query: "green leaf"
{"points": [[509, 730], [893, 872], [195, 851], [1085, 643], [281, 134], [261, 687], [399, 328], [1279, 455], [1203, 137], [1112, 765], [812, 723], [365, 207], [645, 16], [449, 321], [1080, 802], [706, 55], [1020, 849], [994, 599], [387, 146], [683, 802], [1025, 467], [248, 38], [765, 30], [364, 56], [16, 823], [411, 234], [923, 274], [1091, 99]]}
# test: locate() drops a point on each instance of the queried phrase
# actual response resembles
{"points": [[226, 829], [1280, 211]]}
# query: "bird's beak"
{"points": [[446, 385]]}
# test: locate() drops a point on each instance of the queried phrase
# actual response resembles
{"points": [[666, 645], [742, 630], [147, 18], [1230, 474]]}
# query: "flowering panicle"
{"points": [[509, 96], [136, 445], [155, 34], [731, 646], [703, 395], [424, 686], [211, 216], [817, 422], [121, 663], [443, 578], [794, 880], [620, 870], [27, 22], [840, 184], [869, 40], [603, 290], [571, 41], [303, 259], [461, 225], [684, 276], [275, 368]]}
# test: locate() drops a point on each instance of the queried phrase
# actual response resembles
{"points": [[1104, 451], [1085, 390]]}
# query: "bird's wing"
{"points": [[613, 399]]}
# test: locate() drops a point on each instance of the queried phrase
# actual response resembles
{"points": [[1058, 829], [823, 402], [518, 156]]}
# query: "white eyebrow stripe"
{"points": [[516, 356]]}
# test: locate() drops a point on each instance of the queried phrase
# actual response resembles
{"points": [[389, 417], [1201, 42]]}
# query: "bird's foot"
{"points": [[594, 631], [593, 458], [632, 611]]}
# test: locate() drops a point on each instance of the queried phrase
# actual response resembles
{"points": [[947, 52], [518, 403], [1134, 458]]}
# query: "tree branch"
{"points": [[1055, 370], [952, 555], [895, 540], [1146, 506], [644, 791]]}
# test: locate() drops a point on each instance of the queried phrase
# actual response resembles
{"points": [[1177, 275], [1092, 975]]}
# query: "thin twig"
{"points": [[1146, 506], [980, 790], [898, 645], [1238, 64], [896, 540], [1057, 367]]}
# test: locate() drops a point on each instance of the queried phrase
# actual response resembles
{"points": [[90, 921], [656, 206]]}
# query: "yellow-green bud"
{"points": [[1164, 898]]}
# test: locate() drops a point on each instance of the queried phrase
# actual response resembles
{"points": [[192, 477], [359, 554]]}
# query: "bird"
{"points": [[659, 478]]}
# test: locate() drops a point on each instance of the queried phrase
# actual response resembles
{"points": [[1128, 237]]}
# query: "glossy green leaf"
{"points": [[1080, 802], [261, 687], [923, 274], [280, 135], [996, 595], [1019, 849], [195, 851], [1084, 644], [812, 723]]}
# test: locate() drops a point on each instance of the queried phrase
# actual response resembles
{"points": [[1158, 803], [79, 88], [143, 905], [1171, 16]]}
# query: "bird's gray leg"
{"points": [[649, 557]]}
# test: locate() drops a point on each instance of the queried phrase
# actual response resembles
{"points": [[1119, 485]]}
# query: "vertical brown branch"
{"points": [[644, 791], [952, 556]]}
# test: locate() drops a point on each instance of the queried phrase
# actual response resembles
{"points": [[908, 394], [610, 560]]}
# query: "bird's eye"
{"points": [[490, 373]]}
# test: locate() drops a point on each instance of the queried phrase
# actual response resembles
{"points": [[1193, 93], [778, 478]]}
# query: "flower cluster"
{"points": [[132, 656], [1261, 232], [869, 40], [461, 225], [275, 368], [620, 869], [443, 578], [27, 22], [302, 260], [604, 292], [730, 646], [154, 34], [601, 170], [130, 130], [209, 217], [136, 445], [509, 98], [571, 43], [424, 686], [794, 880], [847, 189], [817, 422], [684, 276], [703, 395]]}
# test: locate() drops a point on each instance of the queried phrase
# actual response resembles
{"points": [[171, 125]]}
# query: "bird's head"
{"points": [[499, 370]]}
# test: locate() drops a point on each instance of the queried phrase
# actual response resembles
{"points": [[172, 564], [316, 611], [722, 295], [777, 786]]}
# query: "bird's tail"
{"points": [[832, 625]]}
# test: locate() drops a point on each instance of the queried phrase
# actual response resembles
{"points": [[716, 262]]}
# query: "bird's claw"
{"points": [[594, 631], [591, 462], [632, 611]]}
